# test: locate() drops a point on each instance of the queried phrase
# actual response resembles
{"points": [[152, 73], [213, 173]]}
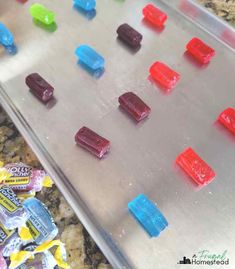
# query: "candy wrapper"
{"points": [[12, 213], [9, 241], [23, 178], [25, 235], [40, 222], [3, 264], [41, 261], [49, 261], [25, 195], [4, 235]]}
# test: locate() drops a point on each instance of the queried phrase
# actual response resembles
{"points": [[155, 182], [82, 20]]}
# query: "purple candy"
{"points": [[129, 35], [40, 87]]}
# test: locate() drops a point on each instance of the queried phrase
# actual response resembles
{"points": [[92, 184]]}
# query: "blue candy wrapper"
{"points": [[40, 222]]}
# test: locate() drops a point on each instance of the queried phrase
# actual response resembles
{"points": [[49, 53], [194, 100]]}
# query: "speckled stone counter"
{"points": [[223, 8], [82, 251]]}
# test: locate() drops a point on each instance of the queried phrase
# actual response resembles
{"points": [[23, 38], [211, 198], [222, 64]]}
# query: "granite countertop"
{"points": [[223, 8], [82, 251]]}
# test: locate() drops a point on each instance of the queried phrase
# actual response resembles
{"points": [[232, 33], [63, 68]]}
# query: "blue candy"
{"points": [[85, 4], [7, 39], [90, 57], [40, 222], [148, 215]]}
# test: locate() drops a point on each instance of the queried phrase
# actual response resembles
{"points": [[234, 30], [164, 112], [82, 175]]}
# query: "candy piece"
{"points": [[42, 14], [90, 57], [148, 215], [200, 50], [92, 142], [39, 87], [227, 118], [129, 35], [195, 167], [12, 213], [7, 39], [40, 222], [87, 5], [164, 75], [154, 15], [134, 106], [25, 178]]}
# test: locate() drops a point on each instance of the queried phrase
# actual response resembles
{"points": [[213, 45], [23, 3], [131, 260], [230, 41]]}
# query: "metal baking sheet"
{"points": [[142, 157]]}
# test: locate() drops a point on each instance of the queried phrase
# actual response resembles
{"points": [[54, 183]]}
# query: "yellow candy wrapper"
{"points": [[21, 257], [25, 195], [47, 182], [25, 234], [4, 174]]}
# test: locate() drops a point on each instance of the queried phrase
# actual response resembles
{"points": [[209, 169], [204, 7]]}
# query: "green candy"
{"points": [[42, 14]]}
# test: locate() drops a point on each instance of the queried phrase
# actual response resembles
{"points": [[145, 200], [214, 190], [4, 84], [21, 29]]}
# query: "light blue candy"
{"points": [[148, 215], [40, 222], [90, 57], [6, 37], [85, 4]]}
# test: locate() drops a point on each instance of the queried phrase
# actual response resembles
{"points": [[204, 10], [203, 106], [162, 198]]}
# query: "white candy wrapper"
{"points": [[12, 212]]}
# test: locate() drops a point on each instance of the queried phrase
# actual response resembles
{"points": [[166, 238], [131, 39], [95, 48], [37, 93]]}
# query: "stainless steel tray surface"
{"points": [[142, 156]]}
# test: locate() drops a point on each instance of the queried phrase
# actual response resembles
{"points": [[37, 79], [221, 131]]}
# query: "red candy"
{"points": [[22, 1], [227, 118], [92, 142], [200, 50], [154, 15], [195, 167], [134, 106], [164, 75]]}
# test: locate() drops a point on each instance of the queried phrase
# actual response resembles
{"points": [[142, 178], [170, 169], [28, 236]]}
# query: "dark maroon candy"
{"points": [[40, 87], [131, 103], [92, 142], [129, 35]]}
